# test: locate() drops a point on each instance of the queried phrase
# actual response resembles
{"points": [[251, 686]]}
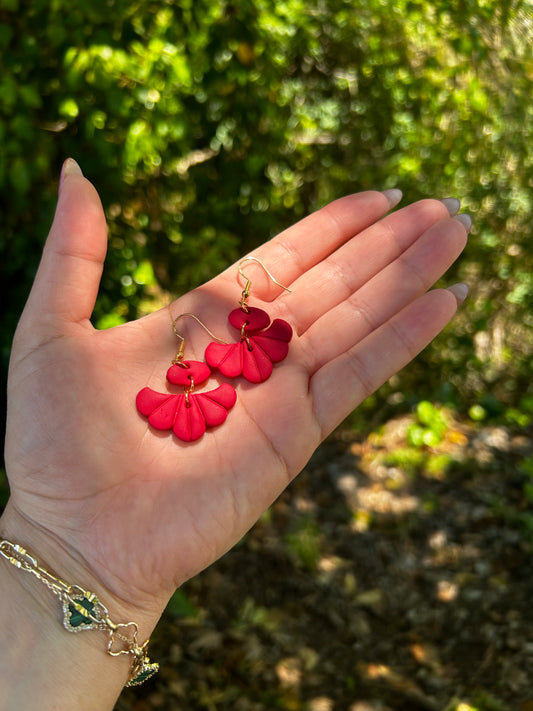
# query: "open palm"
{"points": [[139, 510]]}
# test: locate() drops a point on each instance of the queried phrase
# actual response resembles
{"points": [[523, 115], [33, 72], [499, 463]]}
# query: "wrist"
{"points": [[42, 665], [68, 563], [40, 611]]}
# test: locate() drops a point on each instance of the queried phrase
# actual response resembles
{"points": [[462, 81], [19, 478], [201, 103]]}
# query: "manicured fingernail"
{"points": [[70, 167], [393, 195], [465, 220], [452, 205], [460, 291]]}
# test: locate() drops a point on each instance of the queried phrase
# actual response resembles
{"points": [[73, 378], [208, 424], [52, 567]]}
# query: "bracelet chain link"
{"points": [[82, 610]]}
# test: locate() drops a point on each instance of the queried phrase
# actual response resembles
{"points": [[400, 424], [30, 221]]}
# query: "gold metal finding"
{"points": [[188, 392], [244, 336], [179, 355], [82, 610], [246, 291]]}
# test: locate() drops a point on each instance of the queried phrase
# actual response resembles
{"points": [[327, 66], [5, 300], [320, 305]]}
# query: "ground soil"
{"points": [[368, 586]]}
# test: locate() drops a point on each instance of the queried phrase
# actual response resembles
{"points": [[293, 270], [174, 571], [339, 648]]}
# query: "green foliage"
{"points": [[304, 543], [180, 605], [410, 459], [481, 701], [429, 427], [426, 451], [251, 615], [415, 461], [209, 126], [477, 413]]}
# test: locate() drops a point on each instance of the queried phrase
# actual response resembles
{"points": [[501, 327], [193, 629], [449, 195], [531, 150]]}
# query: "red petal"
{"points": [[158, 407], [216, 403], [148, 399], [279, 329], [257, 365], [189, 424], [189, 421], [227, 358], [275, 340]]}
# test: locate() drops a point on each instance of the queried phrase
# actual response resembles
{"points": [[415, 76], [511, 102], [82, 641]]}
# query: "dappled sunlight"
{"points": [[395, 573], [426, 607], [447, 590], [378, 500], [388, 463]]}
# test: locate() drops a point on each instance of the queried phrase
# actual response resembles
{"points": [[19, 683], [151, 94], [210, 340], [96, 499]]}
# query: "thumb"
{"points": [[67, 281]]}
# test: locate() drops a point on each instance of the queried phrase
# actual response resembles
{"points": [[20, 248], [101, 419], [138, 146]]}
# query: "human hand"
{"points": [[103, 496]]}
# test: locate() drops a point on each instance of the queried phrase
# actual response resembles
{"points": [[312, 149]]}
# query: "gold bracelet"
{"points": [[82, 610]]}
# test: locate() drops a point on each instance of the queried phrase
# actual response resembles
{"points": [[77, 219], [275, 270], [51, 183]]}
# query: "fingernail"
{"points": [[393, 195], [460, 291], [70, 167], [452, 205], [465, 220]]}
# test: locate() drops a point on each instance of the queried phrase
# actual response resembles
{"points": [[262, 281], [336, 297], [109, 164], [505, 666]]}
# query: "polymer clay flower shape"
{"points": [[188, 414], [261, 345]]}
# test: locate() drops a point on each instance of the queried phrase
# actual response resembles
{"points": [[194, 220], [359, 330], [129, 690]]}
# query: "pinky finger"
{"points": [[342, 384]]}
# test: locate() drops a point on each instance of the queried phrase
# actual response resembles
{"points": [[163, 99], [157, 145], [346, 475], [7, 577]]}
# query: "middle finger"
{"points": [[345, 271]]}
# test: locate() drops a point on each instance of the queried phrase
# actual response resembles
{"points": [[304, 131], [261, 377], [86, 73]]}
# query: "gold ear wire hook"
{"points": [[246, 292], [179, 355]]}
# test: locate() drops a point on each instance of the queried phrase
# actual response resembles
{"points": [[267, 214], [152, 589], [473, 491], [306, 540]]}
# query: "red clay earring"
{"points": [[262, 343], [188, 414]]}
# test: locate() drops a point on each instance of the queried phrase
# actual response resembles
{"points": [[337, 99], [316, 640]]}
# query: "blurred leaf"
{"points": [[69, 108], [208, 129], [180, 605]]}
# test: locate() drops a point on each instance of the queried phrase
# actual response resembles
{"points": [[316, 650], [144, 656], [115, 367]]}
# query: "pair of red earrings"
{"points": [[262, 343]]}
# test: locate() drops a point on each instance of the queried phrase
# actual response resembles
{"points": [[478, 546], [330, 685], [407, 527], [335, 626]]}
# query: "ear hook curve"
{"points": [[246, 292], [179, 355]]}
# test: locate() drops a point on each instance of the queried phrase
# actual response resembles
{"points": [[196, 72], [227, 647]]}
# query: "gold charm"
{"points": [[142, 671], [82, 610]]}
